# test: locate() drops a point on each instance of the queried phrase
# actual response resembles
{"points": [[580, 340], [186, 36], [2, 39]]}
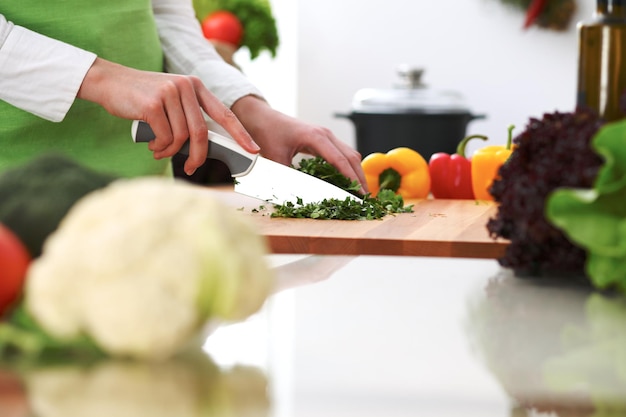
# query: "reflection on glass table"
{"points": [[189, 386], [370, 337], [555, 345]]}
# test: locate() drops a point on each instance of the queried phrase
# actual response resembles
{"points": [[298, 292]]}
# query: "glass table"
{"points": [[369, 336]]}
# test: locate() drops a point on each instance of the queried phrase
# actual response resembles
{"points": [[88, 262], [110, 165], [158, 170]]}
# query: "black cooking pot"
{"points": [[409, 115]]}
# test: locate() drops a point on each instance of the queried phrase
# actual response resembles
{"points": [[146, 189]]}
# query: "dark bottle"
{"points": [[602, 60]]}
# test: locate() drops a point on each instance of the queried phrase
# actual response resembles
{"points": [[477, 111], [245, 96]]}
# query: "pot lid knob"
{"points": [[411, 76]]}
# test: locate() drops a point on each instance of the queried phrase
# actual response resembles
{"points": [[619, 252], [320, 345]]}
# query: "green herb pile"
{"points": [[370, 208], [319, 168], [387, 202]]}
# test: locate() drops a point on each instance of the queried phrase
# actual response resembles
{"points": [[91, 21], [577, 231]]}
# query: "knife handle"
{"points": [[238, 160]]}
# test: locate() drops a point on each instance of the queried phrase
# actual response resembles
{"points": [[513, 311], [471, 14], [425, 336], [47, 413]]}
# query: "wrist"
{"points": [[92, 87], [251, 111]]}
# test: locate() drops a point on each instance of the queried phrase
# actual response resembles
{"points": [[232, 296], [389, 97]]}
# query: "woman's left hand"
{"points": [[282, 137]]}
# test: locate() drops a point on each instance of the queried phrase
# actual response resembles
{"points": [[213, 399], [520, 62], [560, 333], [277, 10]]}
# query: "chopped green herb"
{"points": [[320, 168], [370, 208]]}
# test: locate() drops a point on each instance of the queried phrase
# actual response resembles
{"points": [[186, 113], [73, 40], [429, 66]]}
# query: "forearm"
{"points": [[187, 52], [38, 74]]}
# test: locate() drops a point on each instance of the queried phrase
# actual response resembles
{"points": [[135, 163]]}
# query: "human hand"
{"points": [[171, 104], [282, 137]]}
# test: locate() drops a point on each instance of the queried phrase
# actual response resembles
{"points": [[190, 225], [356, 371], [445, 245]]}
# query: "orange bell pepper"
{"points": [[486, 162], [402, 170]]}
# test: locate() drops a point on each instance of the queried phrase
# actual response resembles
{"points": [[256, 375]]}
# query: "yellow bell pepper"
{"points": [[402, 170], [486, 162]]}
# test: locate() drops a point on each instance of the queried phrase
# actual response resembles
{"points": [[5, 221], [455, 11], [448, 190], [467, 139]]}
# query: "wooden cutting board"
{"points": [[449, 228]]}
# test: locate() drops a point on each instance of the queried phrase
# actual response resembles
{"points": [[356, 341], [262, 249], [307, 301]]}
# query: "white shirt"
{"points": [[42, 75]]}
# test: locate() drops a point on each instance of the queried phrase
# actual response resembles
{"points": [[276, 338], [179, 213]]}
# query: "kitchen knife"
{"points": [[256, 176]]}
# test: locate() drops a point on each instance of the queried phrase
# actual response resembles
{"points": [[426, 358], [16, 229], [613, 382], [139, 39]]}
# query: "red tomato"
{"points": [[14, 261], [223, 26]]}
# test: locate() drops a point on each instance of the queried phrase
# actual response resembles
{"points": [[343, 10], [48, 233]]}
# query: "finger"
{"points": [[346, 159], [169, 113], [354, 159], [172, 94], [186, 122], [157, 119], [227, 119], [197, 130]]}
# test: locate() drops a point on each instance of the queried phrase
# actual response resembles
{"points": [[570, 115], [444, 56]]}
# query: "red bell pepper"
{"points": [[451, 175], [534, 10]]}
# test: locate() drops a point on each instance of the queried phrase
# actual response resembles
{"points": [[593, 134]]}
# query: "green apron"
{"points": [[122, 31]]}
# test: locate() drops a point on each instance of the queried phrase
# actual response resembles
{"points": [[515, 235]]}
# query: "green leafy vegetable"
{"points": [[320, 168], [553, 151], [22, 339], [260, 32], [595, 219], [36, 195], [370, 208]]}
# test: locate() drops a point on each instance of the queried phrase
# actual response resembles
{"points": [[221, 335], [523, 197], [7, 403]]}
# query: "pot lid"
{"points": [[408, 95]]}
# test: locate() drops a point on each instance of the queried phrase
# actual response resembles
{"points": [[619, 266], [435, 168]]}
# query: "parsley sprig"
{"points": [[320, 168]]}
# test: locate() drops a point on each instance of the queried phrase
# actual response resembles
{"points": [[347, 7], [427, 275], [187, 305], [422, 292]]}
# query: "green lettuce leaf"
{"points": [[22, 340], [595, 219]]}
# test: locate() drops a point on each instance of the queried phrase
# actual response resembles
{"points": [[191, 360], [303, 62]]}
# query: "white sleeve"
{"points": [[188, 52], [38, 74]]}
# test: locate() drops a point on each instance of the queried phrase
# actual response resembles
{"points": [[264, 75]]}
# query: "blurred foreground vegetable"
{"points": [[401, 170], [595, 218], [14, 261], [36, 195], [139, 267]]}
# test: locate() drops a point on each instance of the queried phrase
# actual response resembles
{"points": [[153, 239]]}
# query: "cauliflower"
{"points": [[141, 265]]}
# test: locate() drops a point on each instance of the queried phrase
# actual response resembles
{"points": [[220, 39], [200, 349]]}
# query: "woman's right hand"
{"points": [[171, 104]]}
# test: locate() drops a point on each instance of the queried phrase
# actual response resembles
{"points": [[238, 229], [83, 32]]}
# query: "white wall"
{"points": [[277, 77], [476, 47]]}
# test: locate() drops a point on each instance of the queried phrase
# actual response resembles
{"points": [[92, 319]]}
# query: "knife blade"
{"points": [[256, 176]]}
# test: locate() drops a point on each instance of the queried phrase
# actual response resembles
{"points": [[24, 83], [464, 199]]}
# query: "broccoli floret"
{"points": [[35, 196]]}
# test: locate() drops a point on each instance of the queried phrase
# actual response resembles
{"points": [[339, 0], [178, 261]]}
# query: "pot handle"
{"points": [[477, 116], [343, 115]]}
